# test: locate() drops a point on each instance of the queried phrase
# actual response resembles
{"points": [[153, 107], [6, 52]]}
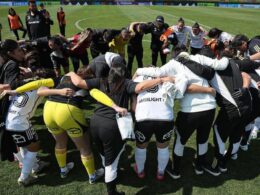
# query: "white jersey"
{"points": [[182, 36], [191, 102], [21, 109], [157, 103], [197, 41]]}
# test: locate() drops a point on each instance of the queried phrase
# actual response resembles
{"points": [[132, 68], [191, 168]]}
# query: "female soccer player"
{"points": [[15, 23], [103, 123]]}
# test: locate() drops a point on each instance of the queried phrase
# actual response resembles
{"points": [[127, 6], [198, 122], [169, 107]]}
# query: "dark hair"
{"points": [[178, 49], [143, 27], [116, 77], [181, 20], [125, 30], [56, 40], [238, 40], [206, 51], [117, 73], [110, 34], [41, 4], [11, 9], [213, 48], [214, 32], [7, 46], [31, 2], [44, 73], [196, 25], [85, 72], [32, 60]]}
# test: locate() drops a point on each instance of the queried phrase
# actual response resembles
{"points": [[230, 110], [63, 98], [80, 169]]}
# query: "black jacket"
{"points": [[36, 25]]}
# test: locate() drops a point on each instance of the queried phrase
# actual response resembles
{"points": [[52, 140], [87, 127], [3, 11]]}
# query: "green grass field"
{"points": [[243, 176]]}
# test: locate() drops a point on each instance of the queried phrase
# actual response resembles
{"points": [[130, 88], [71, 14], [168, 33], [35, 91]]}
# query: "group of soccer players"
{"points": [[203, 73]]}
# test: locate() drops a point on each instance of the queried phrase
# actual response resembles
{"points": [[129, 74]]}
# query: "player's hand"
{"points": [[163, 38], [4, 87], [258, 84], [120, 110], [212, 91], [8, 91], [67, 92], [26, 72]]}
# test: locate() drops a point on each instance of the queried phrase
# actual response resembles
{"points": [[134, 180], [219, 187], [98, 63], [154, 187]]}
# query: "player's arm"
{"points": [[35, 85], [104, 99], [255, 56], [44, 91], [164, 36], [246, 79], [4, 87], [193, 88]]}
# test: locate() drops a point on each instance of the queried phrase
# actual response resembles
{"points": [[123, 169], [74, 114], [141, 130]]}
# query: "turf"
{"points": [[243, 175]]}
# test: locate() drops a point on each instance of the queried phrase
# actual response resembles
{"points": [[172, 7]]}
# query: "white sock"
{"points": [[23, 151], [19, 156], [28, 162], [163, 158], [140, 157], [64, 169], [36, 165]]}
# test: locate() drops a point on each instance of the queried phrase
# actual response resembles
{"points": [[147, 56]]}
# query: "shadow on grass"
{"points": [[245, 168]]}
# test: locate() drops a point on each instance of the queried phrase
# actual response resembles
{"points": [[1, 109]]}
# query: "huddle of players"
{"points": [[195, 80]]}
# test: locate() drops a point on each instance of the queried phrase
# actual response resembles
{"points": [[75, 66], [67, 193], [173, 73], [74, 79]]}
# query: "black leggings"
{"points": [[77, 58], [155, 52], [134, 52], [186, 124], [15, 31], [227, 127], [62, 29]]}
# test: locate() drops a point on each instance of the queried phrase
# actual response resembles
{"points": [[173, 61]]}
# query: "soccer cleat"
{"points": [[117, 193], [253, 134], [211, 170], [234, 156], [40, 167], [96, 176], [198, 169], [69, 166], [28, 181], [222, 166], [175, 174], [141, 175], [160, 176], [244, 147]]}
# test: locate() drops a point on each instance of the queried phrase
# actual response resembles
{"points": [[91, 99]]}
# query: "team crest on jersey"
{"points": [[154, 89]]}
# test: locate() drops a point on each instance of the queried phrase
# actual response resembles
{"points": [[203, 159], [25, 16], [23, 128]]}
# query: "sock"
{"points": [[176, 162], [178, 147], [19, 156], [111, 187], [201, 160], [61, 156], [28, 162], [23, 151], [163, 158], [140, 157], [103, 159], [89, 164]]}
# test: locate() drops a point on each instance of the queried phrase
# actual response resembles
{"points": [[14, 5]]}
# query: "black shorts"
{"points": [[144, 130], [24, 138]]}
